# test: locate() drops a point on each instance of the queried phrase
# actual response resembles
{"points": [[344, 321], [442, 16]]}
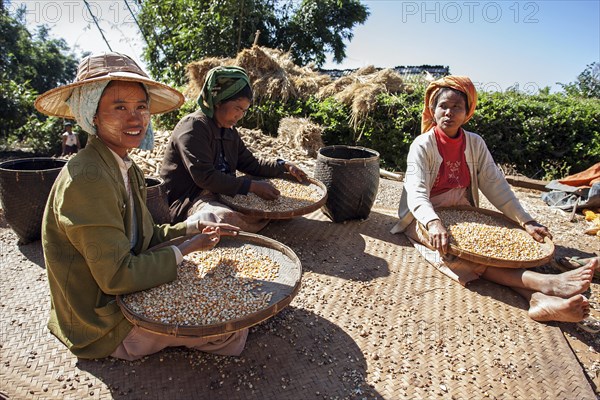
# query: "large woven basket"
{"points": [[284, 288], [156, 200], [547, 248], [24, 188], [351, 176], [282, 214]]}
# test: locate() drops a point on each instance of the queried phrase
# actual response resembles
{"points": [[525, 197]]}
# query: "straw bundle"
{"points": [[272, 72], [197, 70], [258, 61], [335, 87], [301, 134], [310, 84], [368, 70], [364, 101], [347, 87], [275, 76], [390, 79], [361, 88], [268, 148], [274, 86]]}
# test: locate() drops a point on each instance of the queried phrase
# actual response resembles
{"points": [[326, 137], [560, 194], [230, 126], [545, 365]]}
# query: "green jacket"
{"points": [[86, 241]]}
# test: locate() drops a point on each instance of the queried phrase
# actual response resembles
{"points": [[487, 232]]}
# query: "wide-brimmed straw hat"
{"points": [[111, 67]]}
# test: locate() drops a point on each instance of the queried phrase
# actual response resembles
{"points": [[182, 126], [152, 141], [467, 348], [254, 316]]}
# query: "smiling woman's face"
{"points": [[123, 116]]}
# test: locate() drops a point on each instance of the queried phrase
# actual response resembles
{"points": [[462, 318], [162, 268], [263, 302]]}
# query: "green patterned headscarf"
{"points": [[220, 84]]}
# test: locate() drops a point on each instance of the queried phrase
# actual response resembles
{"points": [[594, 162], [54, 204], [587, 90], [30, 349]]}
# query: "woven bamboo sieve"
{"points": [[316, 184], [284, 288], [546, 248]]}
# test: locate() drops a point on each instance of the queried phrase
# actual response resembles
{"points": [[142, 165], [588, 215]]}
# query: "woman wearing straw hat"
{"points": [[97, 230], [447, 166], [205, 151]]}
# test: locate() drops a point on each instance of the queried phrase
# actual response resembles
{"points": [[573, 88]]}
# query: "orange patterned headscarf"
{"points": [[461, 83]]}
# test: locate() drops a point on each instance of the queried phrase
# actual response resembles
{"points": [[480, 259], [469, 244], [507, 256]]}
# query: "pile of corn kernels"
{"points": [[488, 236], [293, 196], [211, 287]]}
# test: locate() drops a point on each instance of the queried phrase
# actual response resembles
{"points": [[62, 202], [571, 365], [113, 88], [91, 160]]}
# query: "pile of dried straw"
{"points": [[360, 89], [274, 76], [301, 134]]}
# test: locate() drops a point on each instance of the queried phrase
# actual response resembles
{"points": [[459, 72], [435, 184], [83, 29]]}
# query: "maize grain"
{"points": [[293, 195], [211, 287], [487, 236]]}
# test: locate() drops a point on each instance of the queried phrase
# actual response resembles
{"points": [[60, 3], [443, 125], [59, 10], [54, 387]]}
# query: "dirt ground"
{"points": [[569, 239]]}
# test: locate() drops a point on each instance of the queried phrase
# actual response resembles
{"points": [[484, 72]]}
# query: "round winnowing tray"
{"points": [[546, 249], [283, 289], [303, 209]]}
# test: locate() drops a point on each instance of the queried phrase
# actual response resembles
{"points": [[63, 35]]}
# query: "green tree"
{"points": [[180, 31], [320, 27], [38, 59], [29, 65], [587, 84]]}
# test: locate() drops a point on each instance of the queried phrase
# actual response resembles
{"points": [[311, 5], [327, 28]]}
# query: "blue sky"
{"points": [[498, 44]]}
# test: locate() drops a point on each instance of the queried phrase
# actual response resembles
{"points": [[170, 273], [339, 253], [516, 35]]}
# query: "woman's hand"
{"points": [[296, 172], [438, 236], [202, 241], [537, 231], [206, 240], [264, 190], [226, 229]]}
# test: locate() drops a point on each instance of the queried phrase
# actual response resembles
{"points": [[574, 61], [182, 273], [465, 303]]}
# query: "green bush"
{"points": [[544, 136], [16, 105], [333, 117], [392, 128], [169, 120], [266, 114]]}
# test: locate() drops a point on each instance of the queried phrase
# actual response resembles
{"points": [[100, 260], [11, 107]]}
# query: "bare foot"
{"points": [[570, 283], [550, 308]]}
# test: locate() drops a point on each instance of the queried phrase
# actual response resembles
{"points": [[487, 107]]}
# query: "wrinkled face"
{"points": [[450, 112], [123, 116], [228, 113]]}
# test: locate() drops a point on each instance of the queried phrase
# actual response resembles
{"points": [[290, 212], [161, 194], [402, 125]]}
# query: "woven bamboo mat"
{"points": [[371, 320]]}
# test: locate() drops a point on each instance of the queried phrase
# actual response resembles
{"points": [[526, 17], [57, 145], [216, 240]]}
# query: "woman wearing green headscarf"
{"points": [[205, 151]]}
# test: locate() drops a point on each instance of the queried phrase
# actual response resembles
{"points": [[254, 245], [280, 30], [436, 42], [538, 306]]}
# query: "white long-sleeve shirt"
{"points": [[423, 165]]}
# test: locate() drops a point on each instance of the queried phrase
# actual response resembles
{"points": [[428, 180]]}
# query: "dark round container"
{"points": [[351, 176], [24, 188], [156, 200]]}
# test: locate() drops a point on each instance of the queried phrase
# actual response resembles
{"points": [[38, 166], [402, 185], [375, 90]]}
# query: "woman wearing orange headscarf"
{"points": [[447, 166]]}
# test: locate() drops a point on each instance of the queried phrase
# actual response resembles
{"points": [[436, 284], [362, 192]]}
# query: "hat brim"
{"points": [[163, 98]]}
